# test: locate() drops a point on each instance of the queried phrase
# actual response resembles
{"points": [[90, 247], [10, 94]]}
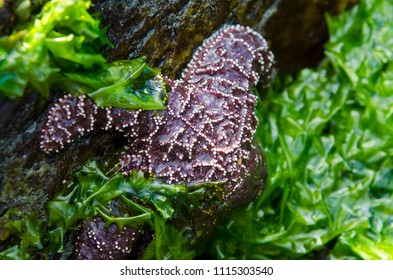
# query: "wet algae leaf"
{"points": [[129, 84], [328, 139], [26, 56], [28, 230], [61, 48]]}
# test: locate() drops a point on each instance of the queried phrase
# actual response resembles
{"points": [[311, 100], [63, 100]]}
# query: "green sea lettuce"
{"points": [[328, 139], [61, 49], [29, 231]]}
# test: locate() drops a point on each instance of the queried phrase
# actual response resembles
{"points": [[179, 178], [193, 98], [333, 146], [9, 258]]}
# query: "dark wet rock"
{"points": [[168, 32]]}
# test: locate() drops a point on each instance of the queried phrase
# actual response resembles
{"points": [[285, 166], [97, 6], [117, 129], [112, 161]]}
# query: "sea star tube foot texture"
{"points": [[206, 133], [96, 241]]}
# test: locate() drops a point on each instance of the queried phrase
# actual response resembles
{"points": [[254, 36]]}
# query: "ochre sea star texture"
{"points": [[97, 241], [206, 132]]}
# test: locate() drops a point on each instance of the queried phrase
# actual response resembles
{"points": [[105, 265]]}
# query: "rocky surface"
{"points": [[168, 32]]}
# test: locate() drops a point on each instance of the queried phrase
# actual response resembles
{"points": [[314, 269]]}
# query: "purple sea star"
{"points": [[97, 241], [206, 132]]}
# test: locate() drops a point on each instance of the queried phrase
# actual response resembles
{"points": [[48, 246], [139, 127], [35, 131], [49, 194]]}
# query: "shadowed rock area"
{"points": [[167, 33]]}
